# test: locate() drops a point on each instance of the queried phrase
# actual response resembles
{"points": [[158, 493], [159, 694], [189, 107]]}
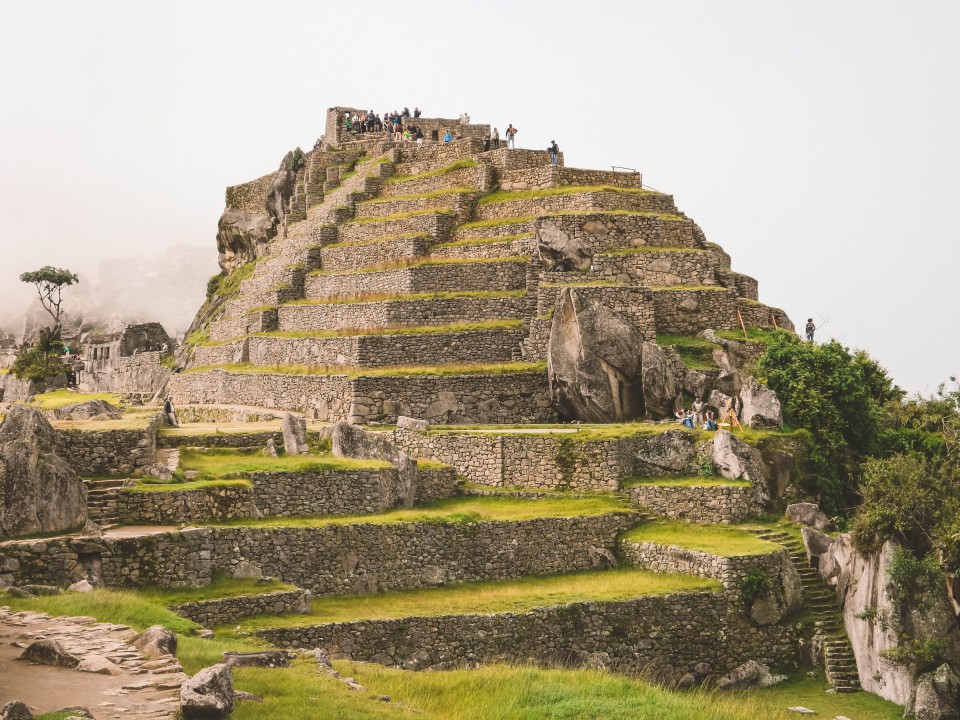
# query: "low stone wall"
{"points": [[481, 177], [436, 483], [746, 286], [655, 267], [525, 246], [549, 176], [437, 224], [521, 227], [687, 311], [706, 504], [461, 204], [635, 304], [367, 254], [517, 158], [328, 560], [219, 440], [228, 610], [244, 323], [191, 506], [492, 275], [578, 202], [386, 313], [666, 636], [614, 231], [109, 452], [251, 196], [213, 414], [326, 492]]}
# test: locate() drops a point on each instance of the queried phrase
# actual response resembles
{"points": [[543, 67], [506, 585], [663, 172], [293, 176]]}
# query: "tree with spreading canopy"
{"points": [[50, 282], [44, 360]]}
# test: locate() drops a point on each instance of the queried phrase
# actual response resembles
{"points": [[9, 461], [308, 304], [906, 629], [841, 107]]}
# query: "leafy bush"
{"points": [[213, 284], [754, 585], [913, 576], [707, 468], [43, 360], [923, 655]]}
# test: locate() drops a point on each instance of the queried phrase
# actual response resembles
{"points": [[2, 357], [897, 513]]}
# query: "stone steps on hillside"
{"points": [[102, 498]]}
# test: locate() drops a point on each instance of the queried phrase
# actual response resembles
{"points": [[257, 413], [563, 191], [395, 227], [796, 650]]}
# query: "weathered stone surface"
{"points": [[353, 441], [294, 434], [98, 409], [159, 471], [816, 543], [155, 642], [719, 400], [15, 710], [935, 696], [48, 652], [208, 695], [559, 251], [659, 385], [809, 514], [270, 449], [242, 236], [736, 460], [667, 453], [593, 361], [39, 492], [761, 406], [265, 659], [282, 186], [98, 665], [81, 586], [409, 423], [749, 676]]}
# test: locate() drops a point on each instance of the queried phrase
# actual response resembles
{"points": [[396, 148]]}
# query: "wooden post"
{"points": [[773, 321], [743, 325]]}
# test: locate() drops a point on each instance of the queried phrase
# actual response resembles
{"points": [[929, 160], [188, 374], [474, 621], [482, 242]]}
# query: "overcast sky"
{"points": [[817, 142]]}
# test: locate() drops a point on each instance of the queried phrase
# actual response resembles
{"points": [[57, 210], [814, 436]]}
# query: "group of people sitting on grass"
{"points": [[700, 415]]}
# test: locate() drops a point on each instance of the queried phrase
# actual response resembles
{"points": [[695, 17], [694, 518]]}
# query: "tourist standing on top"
{"points": [[416, 112], [554, 152], [170, 412], [511, 132], [495, 139], [406, 111], [810, 329], [447, 137], [465, 119]]}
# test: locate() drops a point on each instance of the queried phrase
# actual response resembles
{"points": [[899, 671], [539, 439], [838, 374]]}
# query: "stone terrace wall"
{"points": [[192, 506], [668, 635], [453, 277], [329, 560], [436, 223], [436, 483], [577, 202], [327, 492], [635, 304], [414, 159], [460, 204], [549, 176], [250, 196], [229, 610], [655, 267], [523, 246], [613, 231], [481, 177], [687, 311], [518, 158], [109, 452], [368, 254], [716, 504], [219, 440], [228, 328], [385, 313]]}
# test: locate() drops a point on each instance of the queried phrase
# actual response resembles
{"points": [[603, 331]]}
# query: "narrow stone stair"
{"points": [[840, 663], [102, 498]]}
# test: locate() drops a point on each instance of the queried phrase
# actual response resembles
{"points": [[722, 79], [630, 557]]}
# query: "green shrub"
{"points": [[707, 468], [42, 361], [213, 284], [912, 576], [922, 655], [754, 585]]}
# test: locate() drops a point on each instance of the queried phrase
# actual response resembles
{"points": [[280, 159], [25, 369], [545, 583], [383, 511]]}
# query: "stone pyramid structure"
{"points": [[369, 280]]}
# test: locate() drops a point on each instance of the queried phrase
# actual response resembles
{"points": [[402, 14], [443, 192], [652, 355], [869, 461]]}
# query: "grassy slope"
{"points": [[58, 398], [714, 539], [695, 481], [224, 463]]}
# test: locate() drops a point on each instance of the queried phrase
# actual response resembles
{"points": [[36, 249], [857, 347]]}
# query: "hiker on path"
{"points": [[169, 412], [554, 152], [511, 133], [810, 329]]}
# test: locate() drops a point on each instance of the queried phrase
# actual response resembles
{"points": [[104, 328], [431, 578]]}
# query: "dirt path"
{"points": [[144, 689]]}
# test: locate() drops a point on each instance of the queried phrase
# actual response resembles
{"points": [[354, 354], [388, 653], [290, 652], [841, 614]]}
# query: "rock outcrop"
{"points": [[761, 406], [808, 514], [15, 710], [39, 492], [736, 460], [294, 435], [749, 676], [353, 441], [98, 409], [242, 237], [48, 652], [659, 385], [935, 696], [208, 695], [155, 642], [558, 251], [593, 361]]}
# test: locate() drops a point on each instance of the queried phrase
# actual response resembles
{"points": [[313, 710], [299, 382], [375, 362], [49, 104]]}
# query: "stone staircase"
{"points": [[839, 661], [102, 497]]}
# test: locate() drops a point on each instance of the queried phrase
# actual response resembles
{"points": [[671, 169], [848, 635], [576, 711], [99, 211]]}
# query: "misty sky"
{"points": [[817, 142]]}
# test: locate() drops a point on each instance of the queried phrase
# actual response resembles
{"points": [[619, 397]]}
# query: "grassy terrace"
{"points": [[683, 482], [387, 297], [495, 222], [513, 596], [597, 432], [696, 352], [713, 539], [585, 283], [397, 216], [710, 288], [384, 330], [459, 510], [506, 196], [130, 421], [221, 587], [459, 165], [373, 241], [146, 486], [222, 463], [416, 263], [396, 371], [485, 241], [58, 398], [422, 196]]}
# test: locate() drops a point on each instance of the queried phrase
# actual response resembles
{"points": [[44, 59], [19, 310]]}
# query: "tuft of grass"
{"points": [[230, 284], [507, 196], [502, 596], [388, 297], [459, 165], [59, 398], [393, 371], [460, 510], [222, 463], [719, 540], [421, 196], [221, 587], [683, 482], [696, 352], [764, 335], [146, 486], [484, 241]]}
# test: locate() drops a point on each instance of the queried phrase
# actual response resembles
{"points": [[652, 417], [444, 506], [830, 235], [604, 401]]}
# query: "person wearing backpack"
{"points": [[511, 132], [554, 152]]}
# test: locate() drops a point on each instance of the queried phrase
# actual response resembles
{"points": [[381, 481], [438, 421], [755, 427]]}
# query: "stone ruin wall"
{"points": [[551, 176], [706, 505], [577, 202], [109, 452], [211, 613]]}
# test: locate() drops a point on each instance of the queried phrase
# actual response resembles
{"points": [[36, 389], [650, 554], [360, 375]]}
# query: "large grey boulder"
{"points": [[15, 710], [659, 384], [559, 251], [39, 491], [282, 186], [809, 514], [761, 406], [262, 659], [736, 460], [748, 676], [99, 409], [668, 453], [208, 695], [155, 642], [353, 441], [48, 652], [935, 696], [242, 237], [816, 543], [294, 434], [408, 423], [593, 361], [784, 596]]}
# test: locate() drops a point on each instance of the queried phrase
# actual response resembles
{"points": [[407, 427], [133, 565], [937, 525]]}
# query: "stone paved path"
{"points": [[145, 689]]}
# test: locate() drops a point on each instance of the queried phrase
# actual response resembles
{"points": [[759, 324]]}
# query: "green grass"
{"points": [[415, 263], [373, 241], [397, 216], [382, 330], [683, 482], [395, 371], [496, 222], [147, 486], [221, 587], [763, 335], [696, 352], [387, 297], [261, 308], [514, 596], [460, 510], [713, 539], [230, 285], [59, 398], [220, 463], [459, 165], [484, 241], [506, 196], [421, 196]]}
